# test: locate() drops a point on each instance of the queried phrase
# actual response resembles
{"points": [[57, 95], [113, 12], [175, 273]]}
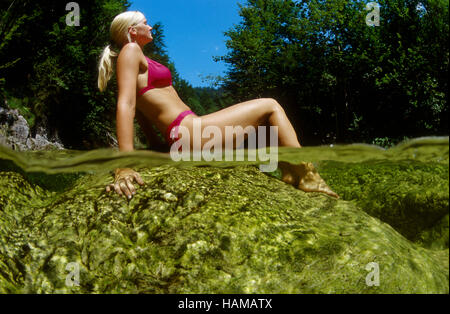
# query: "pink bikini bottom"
{"points": [[172, 130]]}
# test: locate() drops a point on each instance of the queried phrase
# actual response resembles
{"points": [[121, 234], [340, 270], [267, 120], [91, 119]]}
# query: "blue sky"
{"points": [[193, 31]]}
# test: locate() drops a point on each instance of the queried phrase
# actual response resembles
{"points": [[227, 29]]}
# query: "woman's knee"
{"points": [[273, 105]]}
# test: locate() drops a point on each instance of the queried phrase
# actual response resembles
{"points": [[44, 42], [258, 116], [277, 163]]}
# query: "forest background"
{"points": [[339, 79]]}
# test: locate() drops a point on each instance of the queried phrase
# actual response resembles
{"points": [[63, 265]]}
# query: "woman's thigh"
{"points": [[251, 113]]}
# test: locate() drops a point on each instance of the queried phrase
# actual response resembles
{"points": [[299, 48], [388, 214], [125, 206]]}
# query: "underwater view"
{"points": [[227, 227], [340, 183]]}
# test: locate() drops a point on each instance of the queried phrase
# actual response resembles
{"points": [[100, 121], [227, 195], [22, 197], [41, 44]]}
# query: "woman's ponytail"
{"points": [[105, 67]]}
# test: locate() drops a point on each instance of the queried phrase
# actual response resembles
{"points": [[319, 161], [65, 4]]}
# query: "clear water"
{"points": [[428, 149]]}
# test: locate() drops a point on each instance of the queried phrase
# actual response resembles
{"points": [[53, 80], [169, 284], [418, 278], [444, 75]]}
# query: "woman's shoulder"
{"points": [[131, 50]]}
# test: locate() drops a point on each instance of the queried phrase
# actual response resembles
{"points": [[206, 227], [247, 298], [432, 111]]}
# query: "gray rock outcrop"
{"points": [[15, 133]]}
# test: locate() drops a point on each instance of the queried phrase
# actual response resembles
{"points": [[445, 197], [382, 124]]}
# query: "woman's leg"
{"points": [[258, 112], [261, 112]]}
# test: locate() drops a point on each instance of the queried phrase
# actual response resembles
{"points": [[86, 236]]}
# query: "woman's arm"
{"points": [[127, 73]]}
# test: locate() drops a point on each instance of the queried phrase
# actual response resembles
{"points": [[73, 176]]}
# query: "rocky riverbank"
{"points": [[15, 133]]}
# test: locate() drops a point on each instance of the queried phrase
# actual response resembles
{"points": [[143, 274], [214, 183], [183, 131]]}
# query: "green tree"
{"points": [[55, 74], [339, 79]]}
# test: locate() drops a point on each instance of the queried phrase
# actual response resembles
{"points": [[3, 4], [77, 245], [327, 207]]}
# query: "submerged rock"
{"points": [[228, 230]]}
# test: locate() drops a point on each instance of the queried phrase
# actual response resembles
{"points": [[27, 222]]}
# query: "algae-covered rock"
{"points": [[410, 196], [229, 230]]}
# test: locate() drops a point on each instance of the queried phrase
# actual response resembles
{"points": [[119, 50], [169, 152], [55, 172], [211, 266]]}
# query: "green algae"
{"points": [[229, 229], [411, 196], [57, 182]]}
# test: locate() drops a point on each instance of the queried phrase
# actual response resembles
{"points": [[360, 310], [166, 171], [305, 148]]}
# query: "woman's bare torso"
{"points": [[159, 106]]}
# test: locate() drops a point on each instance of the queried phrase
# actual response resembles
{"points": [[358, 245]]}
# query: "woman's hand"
{"points": [[123, 182]]}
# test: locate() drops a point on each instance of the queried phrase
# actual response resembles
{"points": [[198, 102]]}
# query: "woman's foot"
{"points": [[305, 177]]}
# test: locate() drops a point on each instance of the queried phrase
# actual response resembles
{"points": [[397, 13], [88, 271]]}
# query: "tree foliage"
{"points": [[51, 68], [338, 78], [56, 70]]}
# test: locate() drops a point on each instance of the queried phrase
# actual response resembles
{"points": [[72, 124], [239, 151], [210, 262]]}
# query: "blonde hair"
{"points": [[119, 37]]}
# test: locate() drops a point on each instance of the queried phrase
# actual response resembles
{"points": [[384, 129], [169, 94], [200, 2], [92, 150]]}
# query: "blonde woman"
{"points": [[145, 92]]}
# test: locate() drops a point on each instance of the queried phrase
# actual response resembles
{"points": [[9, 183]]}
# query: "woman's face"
{"points": [[141, 32]]}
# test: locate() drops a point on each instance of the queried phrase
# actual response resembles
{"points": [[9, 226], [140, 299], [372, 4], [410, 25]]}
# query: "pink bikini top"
{"points": [[158, 76]]}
